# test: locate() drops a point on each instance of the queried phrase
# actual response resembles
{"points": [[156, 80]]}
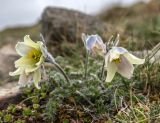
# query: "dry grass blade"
{"points": [[153, 52]]}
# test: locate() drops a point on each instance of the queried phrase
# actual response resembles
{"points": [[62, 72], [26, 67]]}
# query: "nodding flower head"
{"points": [[94, 44], [118, 59], [29, 65]]}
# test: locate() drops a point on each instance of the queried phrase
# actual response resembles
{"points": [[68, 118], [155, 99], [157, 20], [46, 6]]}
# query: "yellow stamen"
{"points": [[117, 60], [35, 55]]}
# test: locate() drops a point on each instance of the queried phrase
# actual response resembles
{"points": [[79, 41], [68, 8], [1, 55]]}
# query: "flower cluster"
{"points": [[35, 54], [117, 59]]}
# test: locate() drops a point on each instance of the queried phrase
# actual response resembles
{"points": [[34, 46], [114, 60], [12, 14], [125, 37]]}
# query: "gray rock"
{"points": [[62, 24]]}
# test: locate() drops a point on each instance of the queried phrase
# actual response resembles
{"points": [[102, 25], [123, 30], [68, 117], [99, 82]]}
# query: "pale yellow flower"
{"points": [[29, 65], [120, 60]]}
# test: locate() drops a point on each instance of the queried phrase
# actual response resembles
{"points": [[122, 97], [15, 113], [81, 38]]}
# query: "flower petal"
{"points": [[24, 62], [133, 59], [25, 80], [125, 68], [119, 50], [101, 47], [22, 80], [37, 78], [17, 72], [111, 70], [22, 49], [43, 49], [30, 69], [40, 61], [29, 42], [90, 42], [99, 39], [113, 55], [107, 57], [116, 52]]}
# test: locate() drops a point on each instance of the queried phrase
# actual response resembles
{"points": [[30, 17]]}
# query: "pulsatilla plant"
{"points": [[117, 59], [31, 64], [35, 54]]}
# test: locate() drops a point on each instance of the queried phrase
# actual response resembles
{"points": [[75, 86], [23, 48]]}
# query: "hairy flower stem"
{"points": [[51, 60], [62, 71], [86, 64], [102, 72]]}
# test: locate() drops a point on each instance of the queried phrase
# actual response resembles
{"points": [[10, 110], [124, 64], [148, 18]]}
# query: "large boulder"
{"points": [[61, 24]]}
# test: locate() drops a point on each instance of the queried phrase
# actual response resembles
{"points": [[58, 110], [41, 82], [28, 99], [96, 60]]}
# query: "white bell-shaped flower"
{"points": [[118, 59]]}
